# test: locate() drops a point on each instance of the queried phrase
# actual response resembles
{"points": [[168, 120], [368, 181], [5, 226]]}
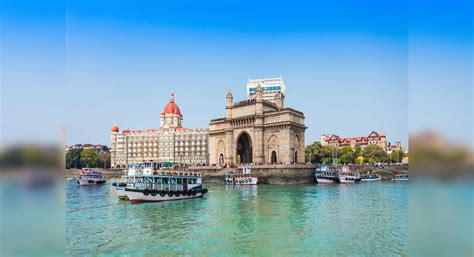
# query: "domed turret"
{"points": [[171, 116], [115, 128], [172, 107]]}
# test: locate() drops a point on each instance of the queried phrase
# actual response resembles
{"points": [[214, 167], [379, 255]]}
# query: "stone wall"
{"points": [[279, 174]]}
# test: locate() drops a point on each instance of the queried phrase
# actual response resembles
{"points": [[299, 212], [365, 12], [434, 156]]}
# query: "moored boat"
{"points": [[90, 177], [325, 174], [348, 176], [401, 177], [244, 178], [370, 178]]}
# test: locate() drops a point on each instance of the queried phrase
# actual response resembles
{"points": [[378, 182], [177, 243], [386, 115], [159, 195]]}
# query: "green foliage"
{"points": [[357, 152], [314, 152], [374, 153], [73, 159], [103, 160], [89, 158], [397, 156]]}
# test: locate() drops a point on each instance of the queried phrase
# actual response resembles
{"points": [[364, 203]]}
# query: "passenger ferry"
{"points": [[401, 177], [326, 174], [370, 178], [348, 176], [165, 186], [134, 170], [90, 177], [244, 178]]}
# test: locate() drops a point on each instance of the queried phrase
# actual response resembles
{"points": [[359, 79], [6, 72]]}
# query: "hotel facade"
{"points": [[374, 138], [170, 143]]}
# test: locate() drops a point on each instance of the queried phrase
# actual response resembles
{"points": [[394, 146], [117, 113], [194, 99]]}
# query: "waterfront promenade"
{"points": [[275, 174]]}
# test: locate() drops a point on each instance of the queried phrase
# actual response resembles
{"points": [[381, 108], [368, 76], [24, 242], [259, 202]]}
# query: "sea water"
{"points": [[369, 218]]}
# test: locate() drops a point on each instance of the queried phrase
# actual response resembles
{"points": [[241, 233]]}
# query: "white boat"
{"points": [[326, 175], [401, 177], [135, 171], [90, 177], [348, 176], [244, 178], [165, 187], [370, 178], [141, 169]]}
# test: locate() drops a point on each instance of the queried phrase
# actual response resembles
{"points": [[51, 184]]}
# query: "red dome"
{"points": [[115, 128], [171, 107]]}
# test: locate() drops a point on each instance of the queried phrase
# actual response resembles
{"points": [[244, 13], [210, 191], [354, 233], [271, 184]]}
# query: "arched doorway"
{"points": [[244, 148], [274, 157], [221, 159], [296, 157]]}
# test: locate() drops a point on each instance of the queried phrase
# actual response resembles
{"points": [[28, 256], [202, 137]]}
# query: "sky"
{"points": [[350, 66]]}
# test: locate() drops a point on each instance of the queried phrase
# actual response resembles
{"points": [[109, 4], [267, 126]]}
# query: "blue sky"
{"points": [[347, 64]]}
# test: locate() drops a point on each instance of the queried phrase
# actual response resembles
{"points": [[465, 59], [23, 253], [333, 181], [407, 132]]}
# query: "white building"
{"points": [[270, 87], [170, 143]]}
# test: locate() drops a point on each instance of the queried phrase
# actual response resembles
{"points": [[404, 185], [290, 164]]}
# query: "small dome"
{"points": [[115, 128], [172, 107]]}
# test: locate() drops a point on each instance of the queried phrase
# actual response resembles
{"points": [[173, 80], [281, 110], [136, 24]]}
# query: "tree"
{"points": [[314, 152], [345, 154], [73, 159], [359, 160], [357, 152], [394, 156], [103, 160], [89, 158], [374, 153], [397, 156]]}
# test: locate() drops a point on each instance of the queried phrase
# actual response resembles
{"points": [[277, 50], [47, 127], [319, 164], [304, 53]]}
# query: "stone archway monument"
{"points": [[255, 129]]}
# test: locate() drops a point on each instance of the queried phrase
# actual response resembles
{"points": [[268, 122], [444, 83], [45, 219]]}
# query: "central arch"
{"points": [[244, 148]]}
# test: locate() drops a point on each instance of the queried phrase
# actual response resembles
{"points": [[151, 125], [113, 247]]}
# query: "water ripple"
{"points": [[366, 219]]}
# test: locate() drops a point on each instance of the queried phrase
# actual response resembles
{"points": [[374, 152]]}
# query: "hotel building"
{"points": [[376, 138], [170, 143]]}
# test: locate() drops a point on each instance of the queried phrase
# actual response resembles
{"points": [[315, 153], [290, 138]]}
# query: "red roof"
{"points": [[172, 107]]}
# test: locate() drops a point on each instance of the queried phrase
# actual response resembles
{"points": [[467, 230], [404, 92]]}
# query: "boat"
{"points": [[90, 177], [401, 177], [370, 178], [244, 178], [325, 174], [165, 187], [348, 176], [138, 170]]}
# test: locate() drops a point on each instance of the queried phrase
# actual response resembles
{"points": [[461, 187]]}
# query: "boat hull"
{"points": [[370, 179], [326, 180], [348, 180], [120, 192], [139, 196], [89, 182], [242, 181]]}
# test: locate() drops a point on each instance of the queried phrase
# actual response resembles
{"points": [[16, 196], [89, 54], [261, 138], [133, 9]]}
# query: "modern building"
{"points": [[257, 131], [377, 138], [270, 88], [170, 143]]}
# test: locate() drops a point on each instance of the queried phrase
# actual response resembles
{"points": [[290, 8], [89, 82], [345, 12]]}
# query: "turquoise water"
{"points": [[265, 220]]}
